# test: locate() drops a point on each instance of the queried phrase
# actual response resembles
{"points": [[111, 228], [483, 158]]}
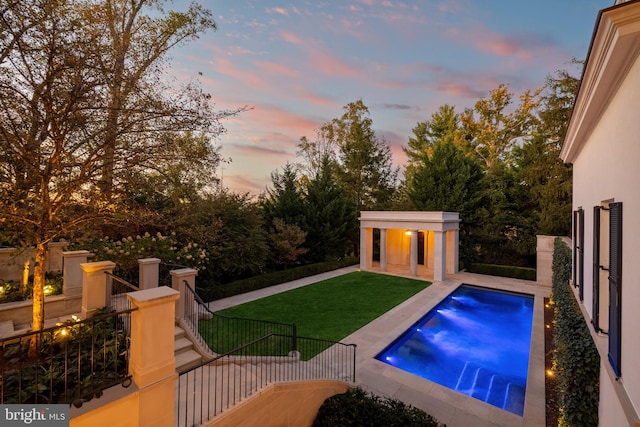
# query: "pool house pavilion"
{"points": [[424, 242]]}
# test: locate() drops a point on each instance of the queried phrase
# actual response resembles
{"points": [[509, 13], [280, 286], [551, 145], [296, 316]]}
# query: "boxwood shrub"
{"points": [[270, 279], [576, 360], [503, 271], [359, 408]]}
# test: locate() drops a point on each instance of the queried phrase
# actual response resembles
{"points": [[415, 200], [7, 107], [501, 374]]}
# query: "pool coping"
{"points": [[448, 406]]}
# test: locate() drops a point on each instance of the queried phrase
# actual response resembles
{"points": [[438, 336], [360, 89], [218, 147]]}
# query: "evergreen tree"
{"points": [[285, 200], [547, 180], [450, 180], [442, 125], [365, 165], [330, 216]]}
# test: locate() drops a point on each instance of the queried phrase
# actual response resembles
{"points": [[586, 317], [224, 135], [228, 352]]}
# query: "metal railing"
{"points": [[68, 363], [117, 290], [222, 334], [219, 383], [164, 272]]}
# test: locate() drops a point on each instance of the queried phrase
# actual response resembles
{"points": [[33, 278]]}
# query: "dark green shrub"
{"points": [[11, 291], [576, 360], [524, 273], [271, 279], [75, 361], [359, 408]]}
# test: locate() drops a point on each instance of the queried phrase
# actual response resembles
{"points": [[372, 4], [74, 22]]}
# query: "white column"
{"points": [[94, 286], [366, 248], [453, 244], [178, 278], [149, 273], [72, 273], [439, 256], [383, 249], [413, 257], [152, 356]]}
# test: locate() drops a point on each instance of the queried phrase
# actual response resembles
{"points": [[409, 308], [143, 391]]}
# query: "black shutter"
{"points": [[615, 286], [574, 277], [595, 308], [581, 254]]}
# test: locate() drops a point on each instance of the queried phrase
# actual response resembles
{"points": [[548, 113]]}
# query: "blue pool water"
{"points": [[476, 341]]}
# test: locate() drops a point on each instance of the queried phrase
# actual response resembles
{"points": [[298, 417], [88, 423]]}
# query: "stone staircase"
{"points": [[185, 353], [498, 390], [219, 387]]}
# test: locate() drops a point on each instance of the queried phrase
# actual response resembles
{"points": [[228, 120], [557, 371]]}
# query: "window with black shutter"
{"points": [[580, 273], [595, 308], [574, 278], [615, 286]]}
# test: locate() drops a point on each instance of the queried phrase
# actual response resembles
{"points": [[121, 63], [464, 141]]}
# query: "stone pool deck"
{"points": [[448, 406]]}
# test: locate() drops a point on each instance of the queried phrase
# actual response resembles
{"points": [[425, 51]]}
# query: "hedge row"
{"points": [[576, 360], [359, 408], [275, 278], [503, 271]]}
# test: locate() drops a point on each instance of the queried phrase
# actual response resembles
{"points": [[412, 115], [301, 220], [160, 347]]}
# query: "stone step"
{"points": [[178, 332], [187, 359], [182, 345]]}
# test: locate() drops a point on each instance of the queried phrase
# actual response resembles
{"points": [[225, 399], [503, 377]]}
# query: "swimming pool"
{"points": [[476, 341]]}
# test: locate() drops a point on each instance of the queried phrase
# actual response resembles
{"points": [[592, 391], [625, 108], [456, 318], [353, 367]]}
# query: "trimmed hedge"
{"points": [[576, 360], [359, 408], [275, 278], [503, 271]]}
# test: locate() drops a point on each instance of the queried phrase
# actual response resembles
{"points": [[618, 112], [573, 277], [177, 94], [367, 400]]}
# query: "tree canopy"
{"points": [[85, 106]]}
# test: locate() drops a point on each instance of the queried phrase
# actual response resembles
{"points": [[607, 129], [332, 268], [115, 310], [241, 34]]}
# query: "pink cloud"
{"points": [[276, 69], [283, 118], [290, 37], [451, 87], [227, 67], [329, 65], [243, 182], [316, 99], [522, 47], [279, 10], [259, 151]]}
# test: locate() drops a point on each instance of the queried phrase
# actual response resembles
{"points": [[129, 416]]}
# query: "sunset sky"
{"points": [[297, 63]]}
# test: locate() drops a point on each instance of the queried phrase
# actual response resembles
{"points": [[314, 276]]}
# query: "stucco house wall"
{"points": [[603, 144]]}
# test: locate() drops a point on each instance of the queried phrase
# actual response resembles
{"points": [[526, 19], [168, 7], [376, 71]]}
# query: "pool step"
{"points": [[484, 384]]}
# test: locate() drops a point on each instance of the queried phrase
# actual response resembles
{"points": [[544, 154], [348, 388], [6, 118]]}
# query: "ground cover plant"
{"points": [[331, 309], [576, 360]]}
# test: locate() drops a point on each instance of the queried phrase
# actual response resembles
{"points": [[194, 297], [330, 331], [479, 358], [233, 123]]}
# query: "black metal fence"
{"points": [[117, 290], [218, 384], [222, 334], [72, 362]]}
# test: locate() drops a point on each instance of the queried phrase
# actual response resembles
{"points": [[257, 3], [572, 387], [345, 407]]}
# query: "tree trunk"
{"points": [[38, 297]]}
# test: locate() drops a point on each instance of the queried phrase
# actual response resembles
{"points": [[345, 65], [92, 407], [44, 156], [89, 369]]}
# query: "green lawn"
{"points": [[334, 308]]}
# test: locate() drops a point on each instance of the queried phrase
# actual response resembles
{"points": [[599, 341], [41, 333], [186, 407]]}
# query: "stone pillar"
{"points": [[383, 249], [152, 361], [439, 256], [178, 278], [453, 245], [413, 254], [149, 273], [94, 286], [55, 255], [544, 258], [72, 273], [366, 248]]}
